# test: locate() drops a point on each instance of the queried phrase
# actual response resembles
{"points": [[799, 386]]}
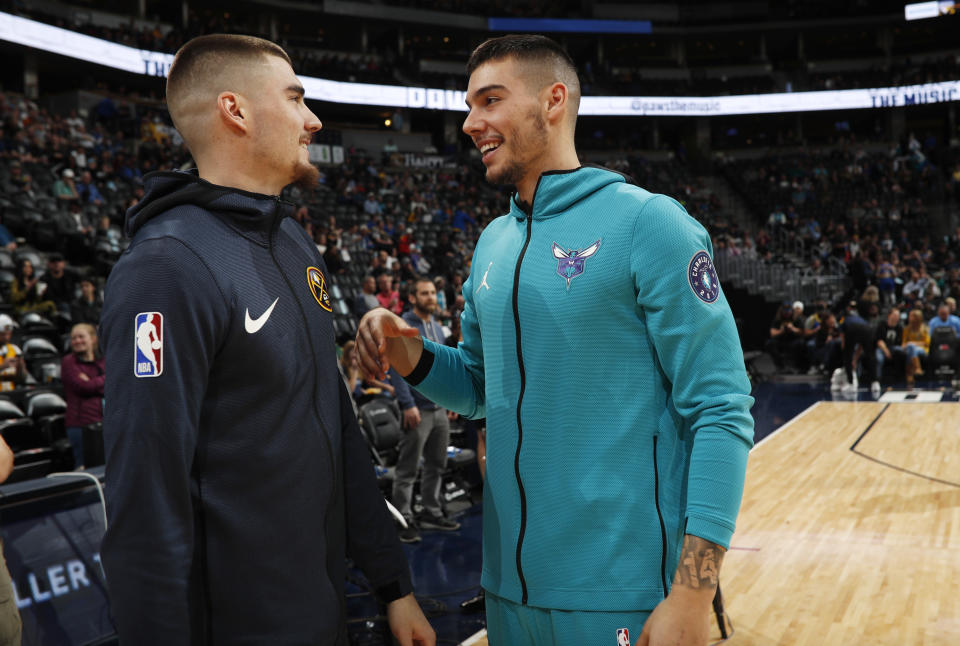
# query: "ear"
{"points": [[232, 112], [555, 102]]}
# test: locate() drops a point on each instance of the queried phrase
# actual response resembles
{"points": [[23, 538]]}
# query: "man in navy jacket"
{"points": [[237, 478]]}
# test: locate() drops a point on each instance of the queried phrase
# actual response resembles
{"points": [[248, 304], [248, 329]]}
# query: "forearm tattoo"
{"points": [[699, 566]]}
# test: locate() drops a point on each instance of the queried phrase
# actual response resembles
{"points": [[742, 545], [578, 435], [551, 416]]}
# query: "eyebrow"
{"points": [[485, 89], [297, 89]]}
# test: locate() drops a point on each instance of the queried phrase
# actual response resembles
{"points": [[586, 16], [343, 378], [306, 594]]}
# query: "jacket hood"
{"points": [[165, 190], [559, 190]]}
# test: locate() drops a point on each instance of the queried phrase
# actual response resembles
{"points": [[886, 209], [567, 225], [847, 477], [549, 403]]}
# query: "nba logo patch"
{"points": [[148, 345], [623, 637]]}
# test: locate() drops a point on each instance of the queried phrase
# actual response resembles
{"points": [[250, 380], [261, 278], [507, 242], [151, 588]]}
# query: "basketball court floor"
{"points": [[849, 532]]}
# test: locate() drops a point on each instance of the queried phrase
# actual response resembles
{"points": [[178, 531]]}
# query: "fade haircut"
{"points": [[208, 65], [543, 61]]}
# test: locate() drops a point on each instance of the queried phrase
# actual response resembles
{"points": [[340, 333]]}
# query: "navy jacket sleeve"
{"points": [[371, 536], [151, 435]]}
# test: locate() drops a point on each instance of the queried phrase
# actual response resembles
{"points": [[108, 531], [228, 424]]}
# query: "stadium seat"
{"points": [[943, 357], [42, 359]]}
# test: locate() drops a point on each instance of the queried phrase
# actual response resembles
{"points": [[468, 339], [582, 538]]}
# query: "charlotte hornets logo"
{"points": [[703, 277], [570, 264]]}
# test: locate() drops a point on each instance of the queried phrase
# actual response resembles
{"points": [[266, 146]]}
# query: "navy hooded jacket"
{"points": [[237, 480]]}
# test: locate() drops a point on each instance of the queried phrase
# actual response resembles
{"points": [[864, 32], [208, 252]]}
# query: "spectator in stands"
{"points": [[25, 293], [60, 285], [944, 319], [64, 189], [828, 352], [333, 259], [858, 340], [442, 312], [82, 372], [886, 280], [786, 337], [916, 344], [350, 369], [367, 299], [11, 627], [12, 368], [304, 494], [388, 297], [889, 337], [7, 241], [427, 439], [88, 191], [371, 206], [86, 309]]}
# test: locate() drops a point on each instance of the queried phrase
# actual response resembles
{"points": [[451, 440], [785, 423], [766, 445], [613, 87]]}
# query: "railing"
{"points": [[779, 281]]}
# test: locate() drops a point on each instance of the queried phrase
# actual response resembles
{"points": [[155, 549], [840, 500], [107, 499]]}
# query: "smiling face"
{"points": [[506, 122], [282, 124]]}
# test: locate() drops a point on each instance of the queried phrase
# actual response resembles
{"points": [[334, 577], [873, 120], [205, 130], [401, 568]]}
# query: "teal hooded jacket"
{"points": [[599, 347]]}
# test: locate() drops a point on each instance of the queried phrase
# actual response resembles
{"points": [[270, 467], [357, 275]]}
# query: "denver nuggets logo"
{"points": [[572, 262], [318, 287], [703, 277]]}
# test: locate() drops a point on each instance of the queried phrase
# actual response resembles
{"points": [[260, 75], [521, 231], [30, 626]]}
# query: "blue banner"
{"points": [[570, 26]]}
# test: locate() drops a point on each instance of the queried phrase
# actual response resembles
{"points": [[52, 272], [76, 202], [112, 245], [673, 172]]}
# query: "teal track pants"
{"points": [[512, 624]]}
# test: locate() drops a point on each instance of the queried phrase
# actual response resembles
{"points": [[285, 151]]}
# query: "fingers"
{"points": [[368, 351]]}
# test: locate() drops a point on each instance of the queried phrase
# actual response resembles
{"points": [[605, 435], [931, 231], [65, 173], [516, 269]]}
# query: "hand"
{"points": [[411, 418], [380, 338], [677, 621], [408, 624], [84, 377]]}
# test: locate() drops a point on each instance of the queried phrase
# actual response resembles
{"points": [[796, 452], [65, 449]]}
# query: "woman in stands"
{"points": [[82, 372], [916, 343], [25, 292]]}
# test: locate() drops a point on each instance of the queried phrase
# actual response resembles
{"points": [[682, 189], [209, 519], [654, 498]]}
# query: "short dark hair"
{"points": [[523, 47], [201, 62], [546, 62]]}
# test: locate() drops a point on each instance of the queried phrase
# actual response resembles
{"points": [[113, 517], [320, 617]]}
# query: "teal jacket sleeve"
{"points": [[698, 348], [453, 377]]}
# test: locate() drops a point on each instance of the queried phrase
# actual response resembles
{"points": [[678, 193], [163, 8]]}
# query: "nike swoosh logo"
{"points": [[253, 326]]}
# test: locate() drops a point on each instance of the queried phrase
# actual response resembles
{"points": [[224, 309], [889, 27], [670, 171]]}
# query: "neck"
{"points": [[423, 316], [87, 355], [564, 158], [240, 176]]}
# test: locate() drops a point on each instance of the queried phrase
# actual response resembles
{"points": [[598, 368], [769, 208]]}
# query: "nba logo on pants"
{"points": [[623, 637], [148, 345]]}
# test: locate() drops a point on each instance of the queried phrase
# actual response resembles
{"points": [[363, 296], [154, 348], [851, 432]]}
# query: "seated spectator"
{"points": [[11, 358], [25, 291], [945, 319], [859, 341], [88, 191], [786, 338], [442, 311], [916, 344], [889, 336], [7, 241], [350, 370], [366, 300], [388, 297], [827, 344], [65, 189], [86, 309], [333, 259], [82, 372], [60, 285]]}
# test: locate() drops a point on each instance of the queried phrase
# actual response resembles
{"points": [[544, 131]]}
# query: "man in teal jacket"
{"points": [[599, 346]]}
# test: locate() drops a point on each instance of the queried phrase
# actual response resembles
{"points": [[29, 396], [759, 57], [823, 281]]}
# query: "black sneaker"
{"points": [[442, 523], [410, 533]]}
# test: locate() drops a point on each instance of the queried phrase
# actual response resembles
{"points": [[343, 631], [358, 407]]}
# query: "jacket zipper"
{"points": [[523, 383], [663, 528], [274, 228]]}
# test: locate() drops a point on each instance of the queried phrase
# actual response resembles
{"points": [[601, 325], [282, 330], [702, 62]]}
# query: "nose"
{"points": [[312, 123], [471, 125]]}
